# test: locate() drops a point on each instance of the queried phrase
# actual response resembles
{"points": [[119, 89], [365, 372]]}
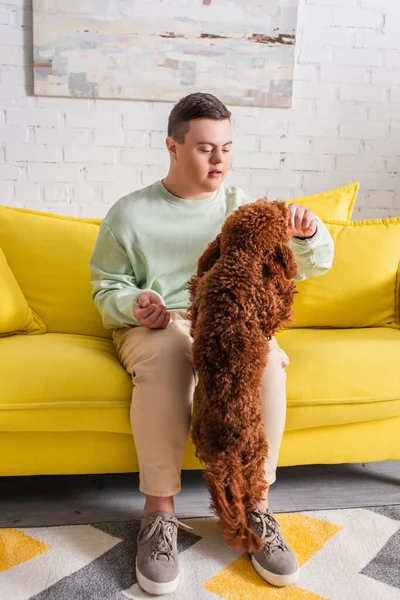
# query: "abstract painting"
{"points": [[240, 51]]}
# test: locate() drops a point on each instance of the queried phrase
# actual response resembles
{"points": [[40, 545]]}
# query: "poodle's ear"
{"points": [[283, 259], [282, 206], [209, 257], [191, 313]]}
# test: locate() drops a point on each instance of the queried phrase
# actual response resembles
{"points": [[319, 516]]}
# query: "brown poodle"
{"points": [[241, 295]]}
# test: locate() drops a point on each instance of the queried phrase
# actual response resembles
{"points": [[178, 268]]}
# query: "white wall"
{"points": [[77, 156]]}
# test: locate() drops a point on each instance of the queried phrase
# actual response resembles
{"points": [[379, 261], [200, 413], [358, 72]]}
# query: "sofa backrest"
{"points": [[49, 256]]}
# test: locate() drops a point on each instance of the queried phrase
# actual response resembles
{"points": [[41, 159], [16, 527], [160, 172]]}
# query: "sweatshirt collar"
{"points": [[182, 201]]}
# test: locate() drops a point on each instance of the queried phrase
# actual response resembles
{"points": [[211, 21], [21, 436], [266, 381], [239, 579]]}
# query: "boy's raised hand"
{"points": [[151, 312], [303, 223]]}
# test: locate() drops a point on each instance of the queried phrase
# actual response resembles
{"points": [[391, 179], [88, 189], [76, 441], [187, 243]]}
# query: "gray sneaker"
{"points": [[276, 562], [157, 569]]}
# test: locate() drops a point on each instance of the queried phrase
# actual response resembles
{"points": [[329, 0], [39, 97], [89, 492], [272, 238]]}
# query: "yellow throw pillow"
{"points": [[50, 260], [361, 289], [335, 204], [15, 314]]}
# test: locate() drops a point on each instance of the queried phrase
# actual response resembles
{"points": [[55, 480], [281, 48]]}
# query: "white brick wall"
{"points": [[78, 156]]}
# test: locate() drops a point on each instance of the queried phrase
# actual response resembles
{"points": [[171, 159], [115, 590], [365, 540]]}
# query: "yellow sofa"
{"points": [[64, 397]]}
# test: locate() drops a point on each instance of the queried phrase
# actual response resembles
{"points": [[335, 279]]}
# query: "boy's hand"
{"points": [[303, 223], [151, 312]]}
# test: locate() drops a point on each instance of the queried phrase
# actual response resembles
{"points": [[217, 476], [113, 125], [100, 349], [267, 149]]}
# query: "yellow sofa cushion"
{"points": [[15, 315], [70, 383], [339, 376], [335, 204], [50, 260], [76, 383], [361, 289]]}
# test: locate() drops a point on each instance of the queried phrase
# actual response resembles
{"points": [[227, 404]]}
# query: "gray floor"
{"points": [[66, 500]]}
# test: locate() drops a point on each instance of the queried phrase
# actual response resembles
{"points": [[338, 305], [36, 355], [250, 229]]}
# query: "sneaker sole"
{"points": [[274, 578], [155, 587]]}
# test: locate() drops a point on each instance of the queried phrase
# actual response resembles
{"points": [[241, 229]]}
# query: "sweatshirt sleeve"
{"points": [[314, 256], [114, 292]]}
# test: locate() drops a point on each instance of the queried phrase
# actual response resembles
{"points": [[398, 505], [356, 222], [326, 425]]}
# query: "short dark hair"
{"points": [[194, 106]]}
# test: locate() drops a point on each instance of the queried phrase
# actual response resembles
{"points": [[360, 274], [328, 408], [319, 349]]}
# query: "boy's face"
{"points": [[207, 148]]}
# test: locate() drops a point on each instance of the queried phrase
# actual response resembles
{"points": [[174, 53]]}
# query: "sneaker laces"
{"points": [[268, 529], [164, 529]]}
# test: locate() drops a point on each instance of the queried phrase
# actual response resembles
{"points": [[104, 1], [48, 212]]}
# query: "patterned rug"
{"points": [[346, 554]]}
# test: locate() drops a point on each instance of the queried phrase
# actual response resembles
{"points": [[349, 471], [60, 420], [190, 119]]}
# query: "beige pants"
{"points": [[159, 362]]}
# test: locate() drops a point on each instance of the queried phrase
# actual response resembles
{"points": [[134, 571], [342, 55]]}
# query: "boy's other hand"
{"points": [[151, 312]]}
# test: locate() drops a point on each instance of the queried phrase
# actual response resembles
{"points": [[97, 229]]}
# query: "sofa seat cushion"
{"points": [[65, 382], [62, 382], [340, 376]]}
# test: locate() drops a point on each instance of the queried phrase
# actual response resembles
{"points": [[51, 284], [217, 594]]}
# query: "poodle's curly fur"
{"points": [[241, 295]]}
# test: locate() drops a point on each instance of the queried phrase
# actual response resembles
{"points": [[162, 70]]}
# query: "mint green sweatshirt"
{"points": [[151, 240]]}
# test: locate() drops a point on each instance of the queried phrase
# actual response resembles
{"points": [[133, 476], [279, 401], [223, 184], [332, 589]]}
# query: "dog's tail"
{"points": [[227, 502]]}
